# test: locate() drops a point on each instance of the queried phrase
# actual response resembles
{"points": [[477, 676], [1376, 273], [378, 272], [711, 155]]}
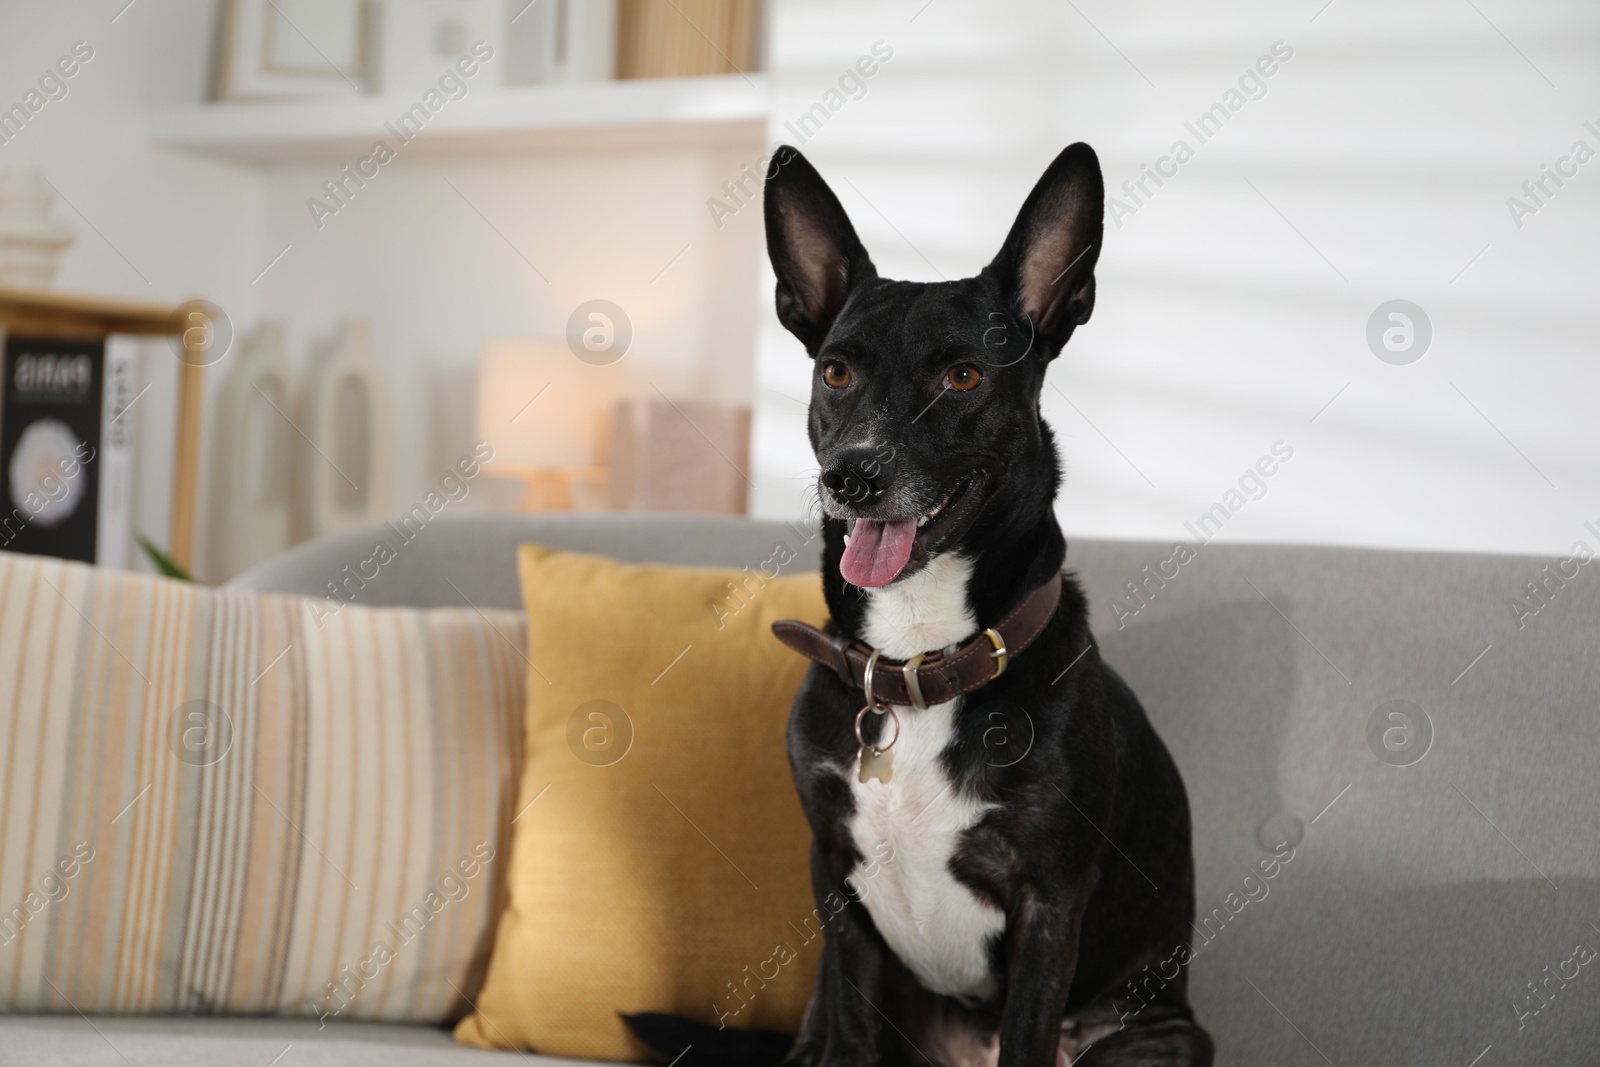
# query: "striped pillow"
{"points": [[223, 802]]}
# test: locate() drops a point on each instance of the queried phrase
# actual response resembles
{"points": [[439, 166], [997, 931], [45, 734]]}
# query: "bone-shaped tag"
{"points": [[875, 764]]}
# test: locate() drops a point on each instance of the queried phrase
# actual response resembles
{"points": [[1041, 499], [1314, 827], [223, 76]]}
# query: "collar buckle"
{"points": [[1000, 654], [914, 682]]}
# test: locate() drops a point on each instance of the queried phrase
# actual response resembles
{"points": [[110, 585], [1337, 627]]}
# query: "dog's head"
{"points": [[925, 396]]}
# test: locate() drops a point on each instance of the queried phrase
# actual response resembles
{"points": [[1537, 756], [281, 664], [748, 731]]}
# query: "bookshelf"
{"points": [[71, 315]]}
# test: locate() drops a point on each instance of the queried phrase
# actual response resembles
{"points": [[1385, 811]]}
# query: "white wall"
{"points": [[1390, 142], [150, 225]]}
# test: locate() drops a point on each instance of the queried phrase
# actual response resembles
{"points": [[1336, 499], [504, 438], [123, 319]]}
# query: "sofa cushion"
{"points": [[1424, 728], [62, 1040], [226, 802], [659, 860]]}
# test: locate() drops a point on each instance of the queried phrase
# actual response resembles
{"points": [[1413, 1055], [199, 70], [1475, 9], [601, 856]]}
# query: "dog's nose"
{"points": [[859, 475]]}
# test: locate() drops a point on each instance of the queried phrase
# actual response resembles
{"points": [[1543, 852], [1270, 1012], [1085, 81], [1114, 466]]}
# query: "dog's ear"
{"points": [[1047, 263], [815, 252]]}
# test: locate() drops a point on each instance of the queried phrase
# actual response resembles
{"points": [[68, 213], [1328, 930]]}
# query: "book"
{"points": [[114, 526], [66, 447]]}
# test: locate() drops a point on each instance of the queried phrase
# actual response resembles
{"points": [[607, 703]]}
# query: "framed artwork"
{"points": [[276, 48]]}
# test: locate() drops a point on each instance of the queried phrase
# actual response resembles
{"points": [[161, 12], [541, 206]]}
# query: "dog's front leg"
{"points": [[1041, 958], [841, 1027]]}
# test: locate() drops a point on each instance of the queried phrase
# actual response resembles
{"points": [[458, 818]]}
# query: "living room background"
{"points": [[1236, 293]]}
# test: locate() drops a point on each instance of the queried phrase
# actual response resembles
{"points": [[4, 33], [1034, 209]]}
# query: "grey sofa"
{"points": [[1430, 748]]}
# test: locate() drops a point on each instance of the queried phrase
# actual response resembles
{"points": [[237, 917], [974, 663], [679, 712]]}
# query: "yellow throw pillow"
{"points": [[659, 857]]}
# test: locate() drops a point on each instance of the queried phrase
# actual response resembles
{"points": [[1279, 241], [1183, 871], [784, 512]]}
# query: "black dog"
{"points": [[1029, 843]]}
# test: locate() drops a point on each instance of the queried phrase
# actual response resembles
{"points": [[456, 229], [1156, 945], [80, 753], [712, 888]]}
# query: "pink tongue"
{"points": [[877, 552]]}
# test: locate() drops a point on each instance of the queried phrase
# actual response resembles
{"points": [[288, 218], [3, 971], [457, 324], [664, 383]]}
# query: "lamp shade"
{"points": [[542, 408]]}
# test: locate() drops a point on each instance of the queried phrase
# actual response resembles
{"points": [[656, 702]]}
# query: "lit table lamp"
{"points": [[546, 415]]}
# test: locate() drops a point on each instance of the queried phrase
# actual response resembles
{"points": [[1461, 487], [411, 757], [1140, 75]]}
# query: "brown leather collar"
{"points": [[931, 678]]}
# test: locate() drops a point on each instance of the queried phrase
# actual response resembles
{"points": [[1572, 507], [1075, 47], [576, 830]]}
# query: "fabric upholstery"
{"points": [[659, 858], [456, 562], [221, 802], [1424, 897], [1416, 913], [75, 1041]]}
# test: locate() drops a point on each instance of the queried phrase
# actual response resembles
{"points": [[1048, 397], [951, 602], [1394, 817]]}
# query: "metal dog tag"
{"points": [[875, 764]]}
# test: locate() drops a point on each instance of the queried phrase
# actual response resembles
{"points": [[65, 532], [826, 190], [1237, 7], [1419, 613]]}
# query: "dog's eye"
{"points": [[835, 375], [962, 377]]}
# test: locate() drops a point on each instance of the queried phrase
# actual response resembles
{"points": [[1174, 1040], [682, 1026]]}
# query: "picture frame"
{"points": [[287, 48]]}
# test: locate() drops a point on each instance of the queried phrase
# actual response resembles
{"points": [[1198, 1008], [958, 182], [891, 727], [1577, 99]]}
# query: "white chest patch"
{"points": [[928, 610], [909, 828]]}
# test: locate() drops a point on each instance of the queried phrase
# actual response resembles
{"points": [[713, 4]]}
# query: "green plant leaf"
{"points": [[163, 562]]}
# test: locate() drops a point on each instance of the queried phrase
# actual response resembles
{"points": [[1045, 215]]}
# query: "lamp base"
{"points": [[580, 489]]}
